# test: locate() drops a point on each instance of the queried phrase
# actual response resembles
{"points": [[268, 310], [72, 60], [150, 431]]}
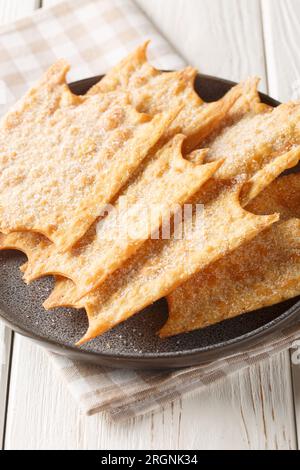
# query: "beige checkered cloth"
{"points": [[94, 35]]}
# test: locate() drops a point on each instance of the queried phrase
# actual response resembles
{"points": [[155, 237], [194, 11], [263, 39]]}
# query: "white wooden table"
{"points": [[256, 409]]}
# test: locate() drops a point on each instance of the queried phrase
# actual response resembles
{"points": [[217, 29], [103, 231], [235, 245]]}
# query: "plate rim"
{"points": [[183, 359]]}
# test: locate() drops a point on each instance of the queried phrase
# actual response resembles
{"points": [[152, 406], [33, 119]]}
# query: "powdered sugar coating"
{"points": [[153, 91], [261, 272], [255, 140], [164, 180]]}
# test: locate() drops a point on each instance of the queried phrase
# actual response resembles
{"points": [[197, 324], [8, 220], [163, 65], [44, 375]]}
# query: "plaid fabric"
{"points": [[126, 394], [93, 36]]}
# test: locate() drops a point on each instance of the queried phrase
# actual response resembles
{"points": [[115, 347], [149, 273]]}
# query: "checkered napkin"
{"points": [[93, 36]]}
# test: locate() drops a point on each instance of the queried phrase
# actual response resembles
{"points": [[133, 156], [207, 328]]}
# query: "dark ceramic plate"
{"points": [[134, 343]]}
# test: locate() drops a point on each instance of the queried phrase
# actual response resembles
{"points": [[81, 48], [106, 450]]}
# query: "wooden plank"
{"points": [[9, 10], [281, 21], [13, 9], [250, 410], [5, 351], [295, 357], [219, 37]]}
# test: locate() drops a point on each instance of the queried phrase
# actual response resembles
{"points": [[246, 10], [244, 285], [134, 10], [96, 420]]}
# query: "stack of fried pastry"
{"points": [[143, 136]]}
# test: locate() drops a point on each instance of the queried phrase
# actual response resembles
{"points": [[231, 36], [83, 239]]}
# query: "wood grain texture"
{"points": [[219, 37], [295, 356], [248, 411], [281, 19], [296, 383], [251, 410], [282, 37], [9, 10]]}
